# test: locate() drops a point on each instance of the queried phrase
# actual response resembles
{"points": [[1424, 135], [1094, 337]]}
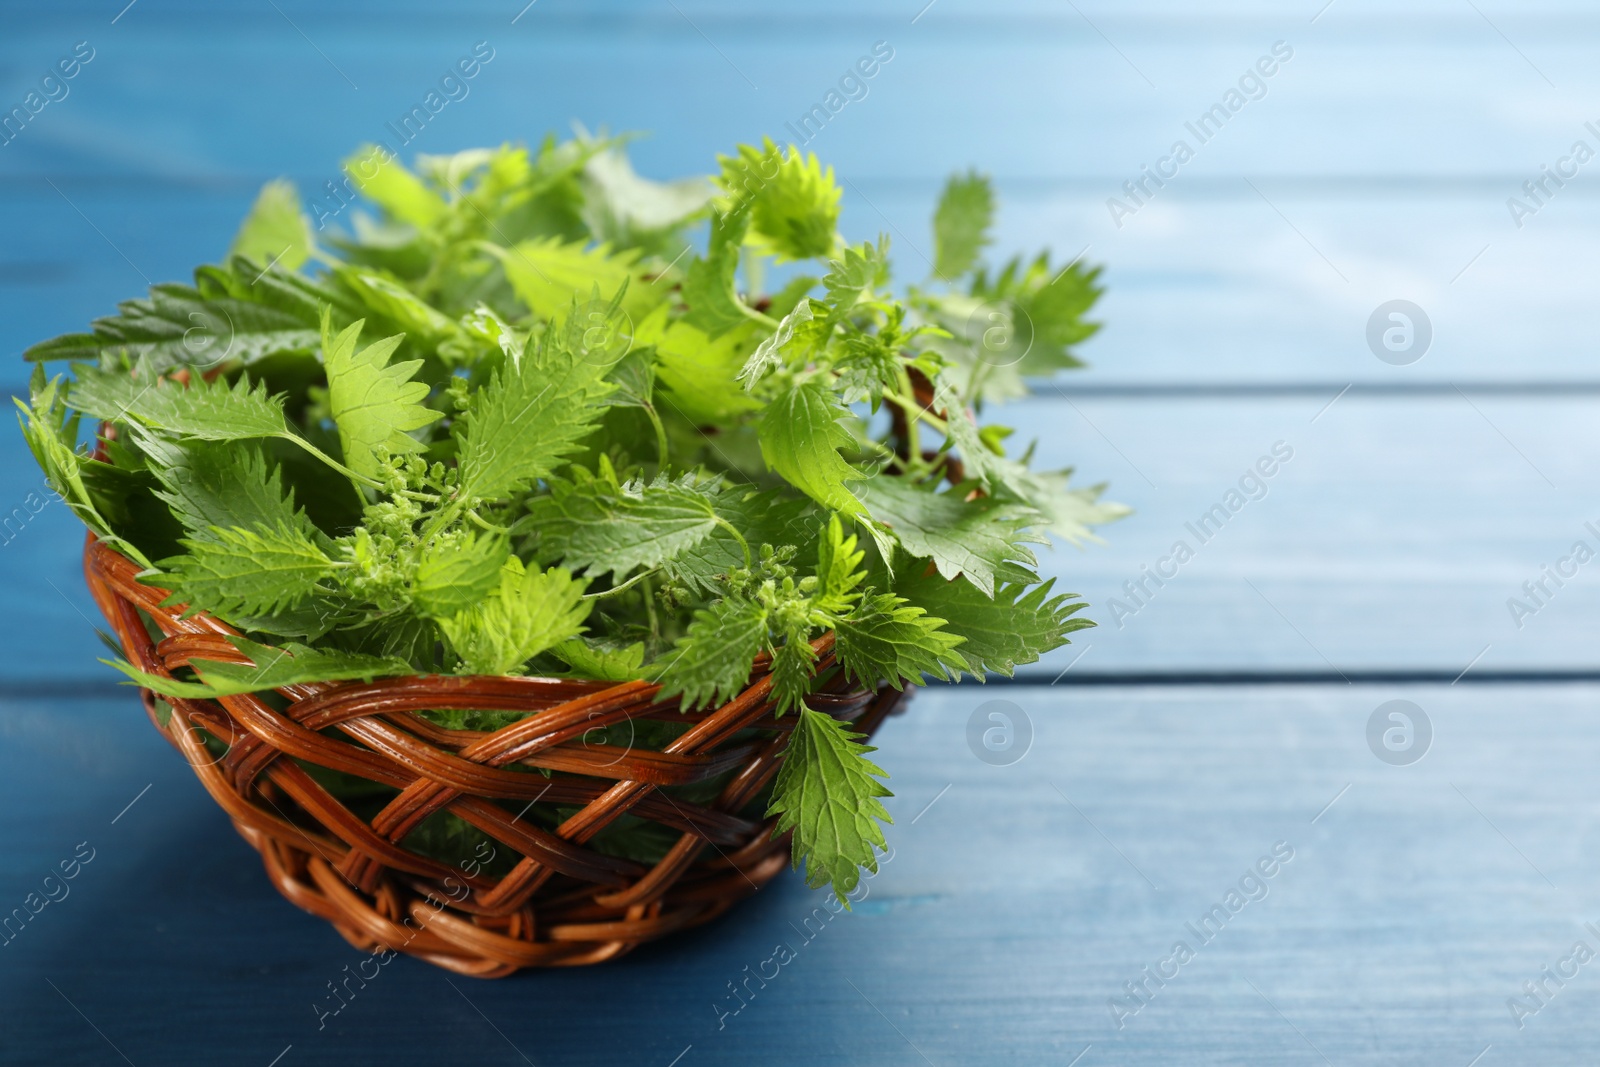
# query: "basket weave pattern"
{"points": [[563, 903]]}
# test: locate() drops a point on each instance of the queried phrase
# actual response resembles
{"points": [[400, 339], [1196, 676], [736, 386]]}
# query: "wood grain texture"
{"points": [[1025, 896], [1209, 286], [1394, 538], [1011, 910], [1377, 165]]}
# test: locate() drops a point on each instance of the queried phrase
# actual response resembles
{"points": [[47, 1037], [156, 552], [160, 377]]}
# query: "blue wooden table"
{"points": [[1207, 853]]}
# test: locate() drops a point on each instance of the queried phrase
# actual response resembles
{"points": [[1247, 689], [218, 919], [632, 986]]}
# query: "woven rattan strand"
{"points": [[563, 903]]}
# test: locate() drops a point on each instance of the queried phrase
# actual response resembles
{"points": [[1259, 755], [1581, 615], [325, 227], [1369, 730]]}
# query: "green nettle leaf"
{"points": [[1051, 303], [961, 224], [482, 324], [241, 313], [208, 411], [792, 666], [457, 571], [376, 405], [634, 376], [962, 433], [212, 484], [868, 365], [1015, 626], [887, 638], [51, 432], [276, 230], [980, 538], [623, 208], [530, 612], [594, 525], [698, 372], [387, 298], [768, 355], [270, 668], [385, 181], [1067, 513], [768, 518], [211, 411], [800, 439], [854, 275], [549, 274], [254, 571], [839, 570], [827, 792], [711, 663], [714, 306], [794, 202], [309, 620], [601, 662], [530, 417]]}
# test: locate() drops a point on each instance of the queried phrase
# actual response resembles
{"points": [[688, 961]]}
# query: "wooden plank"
{"points": [[1381, 162], [1019, 900], [1215, 289], [1152, 16], [1393, 538], [1364, 95], [1212, 284]]}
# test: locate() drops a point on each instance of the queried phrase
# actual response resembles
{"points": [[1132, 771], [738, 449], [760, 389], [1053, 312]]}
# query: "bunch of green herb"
{"points": [[514, 426]]}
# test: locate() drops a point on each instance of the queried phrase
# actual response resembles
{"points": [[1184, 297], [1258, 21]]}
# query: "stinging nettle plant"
{"points": [[511, 426]]}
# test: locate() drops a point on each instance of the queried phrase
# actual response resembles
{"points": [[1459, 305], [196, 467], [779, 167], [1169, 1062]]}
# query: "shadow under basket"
{"points": [[560, 901]]}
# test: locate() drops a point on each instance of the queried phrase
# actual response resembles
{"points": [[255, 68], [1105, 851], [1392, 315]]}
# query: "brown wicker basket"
{"points": [[563, 903]]}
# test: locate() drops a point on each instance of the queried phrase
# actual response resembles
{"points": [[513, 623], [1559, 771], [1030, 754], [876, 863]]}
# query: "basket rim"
{"points": [[204, 624], [563, 903]]}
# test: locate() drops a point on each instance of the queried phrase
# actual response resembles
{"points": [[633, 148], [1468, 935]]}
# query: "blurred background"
{"points": [[1425, 489], [1374, 164]]}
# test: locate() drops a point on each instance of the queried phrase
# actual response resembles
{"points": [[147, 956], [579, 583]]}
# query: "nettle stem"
{"points": [[484, 524], [737, 536], [661, 436], [906, 401], [649, 594], [614, 590], [759, 316]]}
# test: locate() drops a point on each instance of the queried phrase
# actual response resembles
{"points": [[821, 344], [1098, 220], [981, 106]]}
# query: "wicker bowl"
{"points": [[562, 902]]}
